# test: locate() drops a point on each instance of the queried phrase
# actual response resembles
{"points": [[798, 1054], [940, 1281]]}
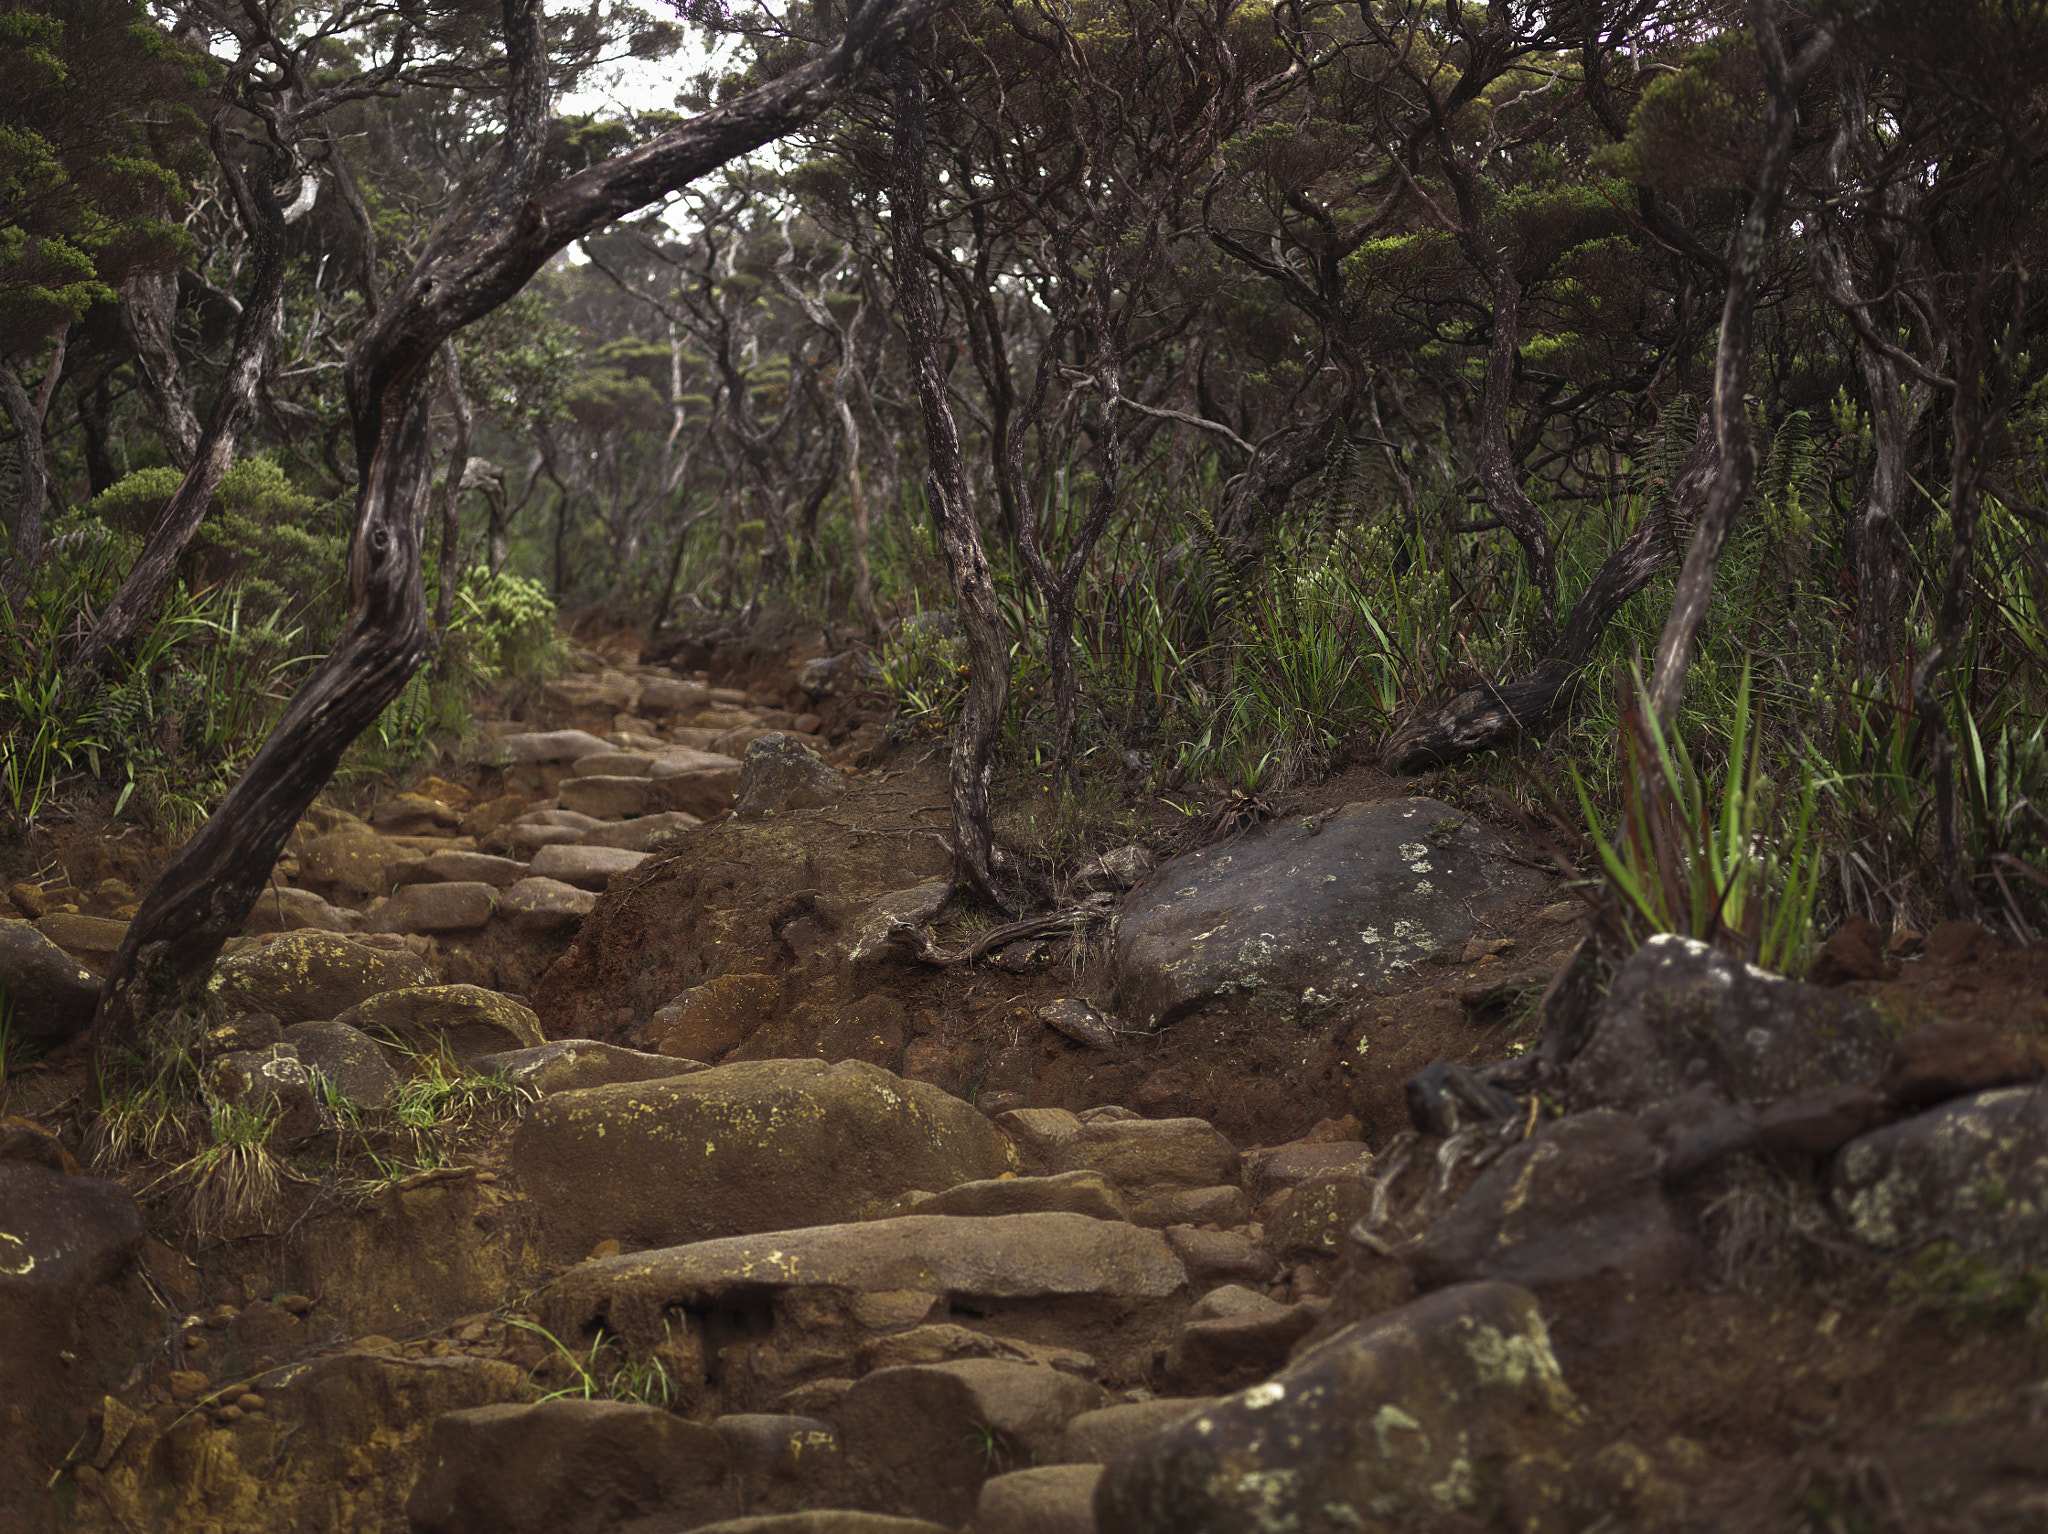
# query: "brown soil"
{"points": [[1794, 1384]]}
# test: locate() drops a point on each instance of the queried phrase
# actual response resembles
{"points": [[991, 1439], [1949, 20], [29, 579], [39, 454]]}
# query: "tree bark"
{"points": [[976, 858], [28, 416], [149, 312], [1736, 472], [1482, 718], [256, 335], [451, 490], [503, 232]]}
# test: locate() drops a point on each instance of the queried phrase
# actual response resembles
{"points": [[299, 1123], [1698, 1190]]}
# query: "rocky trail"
{"points": [[645, 1145]]}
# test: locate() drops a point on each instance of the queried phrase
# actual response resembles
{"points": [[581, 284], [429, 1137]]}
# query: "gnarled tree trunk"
{"points": [[507, 226]]}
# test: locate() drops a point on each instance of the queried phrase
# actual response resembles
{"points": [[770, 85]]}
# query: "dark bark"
{"points": [[452, 488], [149, 312], [256, 334], [976, 858], [1736, 471], [28, 416], [505, 229], [1482, 718]]}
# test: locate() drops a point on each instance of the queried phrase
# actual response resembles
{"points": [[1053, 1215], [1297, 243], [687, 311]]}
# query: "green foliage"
{"points": [[607, 1372], [1737, 867], [1972, 1290], [99, 137]]}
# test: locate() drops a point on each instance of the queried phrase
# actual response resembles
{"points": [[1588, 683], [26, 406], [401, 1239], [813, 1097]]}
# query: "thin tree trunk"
{"points": [[28, 416], [976, 858], [451, 489], [1737, 458], [149, 312], [256, 334], [504, 231]]}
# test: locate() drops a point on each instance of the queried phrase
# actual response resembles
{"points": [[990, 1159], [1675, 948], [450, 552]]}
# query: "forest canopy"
{"points": [[1259, 386]]}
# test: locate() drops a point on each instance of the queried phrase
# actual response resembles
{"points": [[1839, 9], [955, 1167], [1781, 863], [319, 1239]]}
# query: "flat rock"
{"points": [[279, 909], [567, 1466], [464, 1020], [52, 995], [1224, 1204], [761, 1145], [962, 1258], [92, 939], [780, 773], [539, 907], [613, 798], [310, 976], [1973, 1171], [678, 761], [1293, 916], [642, 834], [670, 695], [569, 1065], [451, 907], [1291, 1165], [414, 815], [775, 1446], [704, 792], [614, 764], [826, 1521], [1937, 1061], [530, 838], [1388, 1424], [1097, 1437], [1086, 1192], [589, 868], [540, 747], [1143, 1156], [354, 863], [927, 1437], [464, 868], [1682, 1015]]}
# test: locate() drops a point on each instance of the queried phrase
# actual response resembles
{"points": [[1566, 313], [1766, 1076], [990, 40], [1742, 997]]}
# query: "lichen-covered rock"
{"points": [[92, 940], [1394, 1422], [1973, 1171], [567, 1467], [780, 773], [1577, 1215], [50, 994], [762, 1145], [1682, 1014], [354, 863], [1086, 1192], [709, 1021], [463, 1020], [439, 907], [569, 1065], [895, 913], [347, 1060], [1296, 915], [308, 976]]}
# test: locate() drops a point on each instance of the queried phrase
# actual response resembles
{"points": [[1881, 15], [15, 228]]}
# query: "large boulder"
{"points": [[763, 1145], [1973, 1171], [1146, 1156], [1682, 1014], [448, 906], [61, 1238], [567, 1467], [48, 994], [309, 976], [1296, 915], [354, 863], [1402, 1421]]}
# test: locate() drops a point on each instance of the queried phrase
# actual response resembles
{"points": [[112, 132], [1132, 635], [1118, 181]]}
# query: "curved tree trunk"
{"points": [[976, 857], [483, 253], [149, 312], [1482, 718]]}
